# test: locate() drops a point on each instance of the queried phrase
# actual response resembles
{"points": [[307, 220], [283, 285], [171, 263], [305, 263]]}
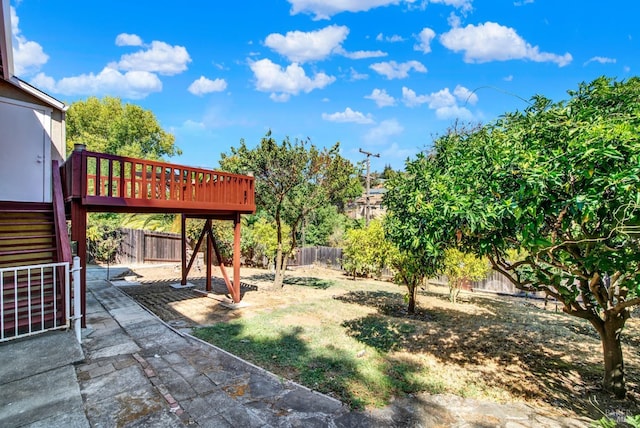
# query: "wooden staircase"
{"points": [[27, 238]]}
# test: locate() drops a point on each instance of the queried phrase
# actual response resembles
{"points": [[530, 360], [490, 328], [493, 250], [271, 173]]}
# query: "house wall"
{"points": [[57, 131], [32, 136]]}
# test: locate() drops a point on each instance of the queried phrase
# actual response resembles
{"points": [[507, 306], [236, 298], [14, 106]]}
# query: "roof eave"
{"points": [[6, 49], [38, 94]]}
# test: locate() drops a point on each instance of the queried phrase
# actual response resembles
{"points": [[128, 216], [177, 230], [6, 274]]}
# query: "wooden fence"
{"points": [[498, 283], [328, 256], [143, 246]]}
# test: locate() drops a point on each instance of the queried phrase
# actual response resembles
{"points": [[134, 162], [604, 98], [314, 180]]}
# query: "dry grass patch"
{"points": [[355, 341]]}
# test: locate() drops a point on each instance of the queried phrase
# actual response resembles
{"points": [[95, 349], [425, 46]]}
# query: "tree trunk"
{"points": [[412, 300], [610, 331], [278, 281]]}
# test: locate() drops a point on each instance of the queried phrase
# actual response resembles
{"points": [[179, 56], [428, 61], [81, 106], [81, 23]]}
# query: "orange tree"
{"points": [[292, 179], [560, 181]]}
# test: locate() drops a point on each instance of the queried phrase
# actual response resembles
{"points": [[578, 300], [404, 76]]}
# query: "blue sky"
{"points": [[384, 76]]}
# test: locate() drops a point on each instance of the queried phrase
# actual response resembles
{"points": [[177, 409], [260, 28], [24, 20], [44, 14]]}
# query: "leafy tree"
{"points": [[410, 272], [560, 181], [265, 239], [388, 172], [107, 126], [366, 251], [292, 179], [325, 226], [460, 267]]}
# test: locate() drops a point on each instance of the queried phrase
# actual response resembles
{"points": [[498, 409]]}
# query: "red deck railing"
{"points": [[101, 180]]}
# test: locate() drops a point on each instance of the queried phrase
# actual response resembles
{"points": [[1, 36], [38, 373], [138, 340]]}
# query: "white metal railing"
{"points": [[30, 296]]}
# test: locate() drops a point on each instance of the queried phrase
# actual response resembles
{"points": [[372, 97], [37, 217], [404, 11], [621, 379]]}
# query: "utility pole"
{"points": [[367, 208]]}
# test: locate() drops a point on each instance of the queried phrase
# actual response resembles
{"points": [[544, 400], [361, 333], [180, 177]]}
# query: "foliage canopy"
{"points": [[560, 181], [292, 179], [108, 126]]}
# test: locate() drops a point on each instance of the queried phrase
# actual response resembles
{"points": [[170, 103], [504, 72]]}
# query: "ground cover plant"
{"points": [[356, 341]]}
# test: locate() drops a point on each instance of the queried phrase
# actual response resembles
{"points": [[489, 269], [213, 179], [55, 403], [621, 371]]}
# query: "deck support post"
{"points": [[236, 258], [79, 234], [183, 256], [209, 253]]}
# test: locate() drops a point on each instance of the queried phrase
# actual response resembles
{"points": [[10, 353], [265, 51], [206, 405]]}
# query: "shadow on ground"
{"points": [[312, 282], [525, 349]]}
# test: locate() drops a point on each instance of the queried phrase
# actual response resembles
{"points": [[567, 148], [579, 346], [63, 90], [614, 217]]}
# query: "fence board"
{"points": [[144, 246], [328, 256]]}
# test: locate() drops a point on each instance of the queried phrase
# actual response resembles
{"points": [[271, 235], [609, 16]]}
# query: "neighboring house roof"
{"points": [[6, 61]]}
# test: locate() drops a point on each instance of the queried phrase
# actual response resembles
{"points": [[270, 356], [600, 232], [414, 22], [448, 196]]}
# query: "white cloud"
{"points": [[204, 86], [133, 76], [424, 38], [463, 5], [509, 78], [300, 46], [28, 56], [347, 116], [411, 99], [132, 84], [522, 3], [465, 95], [601, 60], [391, 39], [160, 58], [381, 97], [393, 70], [361, 54], [453, 20], [124, 39], [357, 76], [324, 9], [493, 42], [381, 134], [453, 112], [444, 102], [282, 83]]}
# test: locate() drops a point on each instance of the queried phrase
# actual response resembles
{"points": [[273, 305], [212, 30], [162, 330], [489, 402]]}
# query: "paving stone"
{"points": [[302, 400], [125, 408], [157, 362], [264, 386], [174, 358], [241, 416], [185, 370], [222, 376], [124, 362], [202, 384], [128, 379], [205, 407], [81, 368], [38, 398], [160, 419], [125, 348], [359, 420], [178, 386], [101, 370]]}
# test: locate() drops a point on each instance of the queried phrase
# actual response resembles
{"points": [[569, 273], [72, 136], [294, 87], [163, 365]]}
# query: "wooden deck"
{"points": [[103, 182], [99, 182]]}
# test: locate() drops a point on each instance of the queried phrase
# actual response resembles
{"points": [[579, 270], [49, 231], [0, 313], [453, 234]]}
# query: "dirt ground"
{"points": [[534, 354]]}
